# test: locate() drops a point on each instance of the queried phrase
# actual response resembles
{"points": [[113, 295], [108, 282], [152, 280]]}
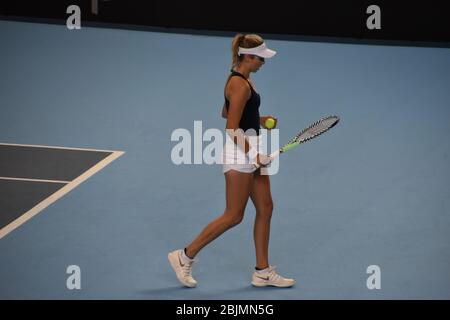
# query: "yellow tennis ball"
{"points": [[270, 123]]}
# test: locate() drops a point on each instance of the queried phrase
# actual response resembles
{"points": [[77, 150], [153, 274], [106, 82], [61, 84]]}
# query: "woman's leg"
{"points": [[238, 187], [262, 199]]}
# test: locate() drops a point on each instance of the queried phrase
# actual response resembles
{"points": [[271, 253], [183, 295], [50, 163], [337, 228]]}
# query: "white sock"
{"points": [[263, 270], [184, 257]]}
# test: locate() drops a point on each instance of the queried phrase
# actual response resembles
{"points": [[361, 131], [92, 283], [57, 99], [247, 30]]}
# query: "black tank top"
{"points": [[250, 116]]}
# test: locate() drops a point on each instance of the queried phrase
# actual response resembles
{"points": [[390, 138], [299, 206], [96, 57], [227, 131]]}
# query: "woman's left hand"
{"points": [[264, 119]]}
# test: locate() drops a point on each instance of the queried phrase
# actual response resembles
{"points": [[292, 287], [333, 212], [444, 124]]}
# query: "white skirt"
{"points": [[234, 158]]}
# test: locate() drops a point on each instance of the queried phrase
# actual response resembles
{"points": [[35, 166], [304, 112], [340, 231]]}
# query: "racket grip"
{"points": [[275, 154]]}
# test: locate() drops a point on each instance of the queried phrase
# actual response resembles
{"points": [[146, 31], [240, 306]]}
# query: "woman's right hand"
{"points": [[263, 160]]}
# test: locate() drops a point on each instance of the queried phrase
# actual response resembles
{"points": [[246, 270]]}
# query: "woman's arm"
{"points": [[238, 92], [224, 111]]}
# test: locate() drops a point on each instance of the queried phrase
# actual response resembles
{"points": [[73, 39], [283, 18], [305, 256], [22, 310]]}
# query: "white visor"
{"points": [[260, 51]]}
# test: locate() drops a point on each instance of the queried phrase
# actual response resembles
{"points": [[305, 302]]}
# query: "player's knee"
{"points": [[235, 218], [269, 206], [266, 209]]}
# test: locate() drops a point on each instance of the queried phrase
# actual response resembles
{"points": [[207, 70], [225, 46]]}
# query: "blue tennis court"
{"points": [[374, 191]]}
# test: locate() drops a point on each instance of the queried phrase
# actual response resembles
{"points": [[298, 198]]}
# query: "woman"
{"points": [[243, 179]]}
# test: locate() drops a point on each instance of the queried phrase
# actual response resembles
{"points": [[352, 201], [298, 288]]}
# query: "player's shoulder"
{"points": [[237, 83]]}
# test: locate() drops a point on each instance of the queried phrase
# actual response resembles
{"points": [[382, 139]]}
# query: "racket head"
{"points": [[313, 131]]}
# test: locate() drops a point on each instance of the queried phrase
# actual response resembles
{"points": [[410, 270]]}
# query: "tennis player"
{"points": [[243, 180]]}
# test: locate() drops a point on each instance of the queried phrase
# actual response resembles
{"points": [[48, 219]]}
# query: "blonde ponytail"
{"points": [[236, 43]]}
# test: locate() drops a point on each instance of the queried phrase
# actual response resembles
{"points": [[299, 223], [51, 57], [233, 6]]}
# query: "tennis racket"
{"points": [[313, 131]]}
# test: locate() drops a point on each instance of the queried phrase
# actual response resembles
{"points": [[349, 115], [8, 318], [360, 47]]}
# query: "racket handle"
{"points": [[275, 154]]}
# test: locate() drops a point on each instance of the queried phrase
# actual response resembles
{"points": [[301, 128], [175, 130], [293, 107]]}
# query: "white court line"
{"points": [[58, 194], [52, 147], [33, 180]]}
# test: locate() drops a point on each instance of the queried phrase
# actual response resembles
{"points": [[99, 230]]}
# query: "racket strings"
{"points": [[315, 129]]}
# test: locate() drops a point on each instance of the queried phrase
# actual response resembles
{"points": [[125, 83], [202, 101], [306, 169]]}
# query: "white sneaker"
{"points": [[271, 278], [182, 270]]}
